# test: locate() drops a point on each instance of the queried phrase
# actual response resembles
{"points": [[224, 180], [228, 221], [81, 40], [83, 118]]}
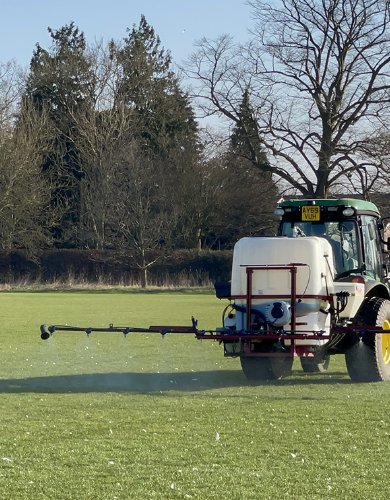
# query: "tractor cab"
{"points": [[352, 227]]}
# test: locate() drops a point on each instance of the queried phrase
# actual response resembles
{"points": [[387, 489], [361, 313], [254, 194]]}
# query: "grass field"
{"points": [[104, 417]]}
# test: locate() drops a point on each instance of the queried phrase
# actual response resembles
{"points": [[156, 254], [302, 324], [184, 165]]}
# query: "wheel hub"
{"points": [[386, 342]]}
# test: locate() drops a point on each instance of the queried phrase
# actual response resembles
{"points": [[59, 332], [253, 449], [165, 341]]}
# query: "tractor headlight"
{"points": [[348, 212], [279, 211]]}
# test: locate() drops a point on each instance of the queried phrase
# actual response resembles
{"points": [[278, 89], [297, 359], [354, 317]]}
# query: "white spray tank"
{"points": [[271, 288]]}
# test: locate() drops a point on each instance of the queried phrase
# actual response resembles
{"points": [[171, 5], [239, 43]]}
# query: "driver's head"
{"points": [[346, 226], [318, 230]]}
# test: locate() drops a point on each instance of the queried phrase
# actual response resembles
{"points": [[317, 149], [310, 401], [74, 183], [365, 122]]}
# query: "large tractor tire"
{"points": [[312, 365], [281, 367], [368, 360], [256, 369], [260, 369]]}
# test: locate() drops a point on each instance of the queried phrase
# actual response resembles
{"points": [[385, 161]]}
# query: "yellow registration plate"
{"points": [[311, 213]]}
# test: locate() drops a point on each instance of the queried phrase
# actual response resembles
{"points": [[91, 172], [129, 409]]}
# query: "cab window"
{"points": [[342, 235], [372, 247]]}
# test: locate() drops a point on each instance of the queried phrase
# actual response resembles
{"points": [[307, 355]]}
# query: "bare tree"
{"points": [[104, 141], [145, 213], [318, 74], [11, 82], [25, 213]]}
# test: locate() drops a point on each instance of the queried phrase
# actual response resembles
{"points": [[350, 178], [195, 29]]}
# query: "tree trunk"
{"points": [[324, 160], [144, 277], [199, 238]]}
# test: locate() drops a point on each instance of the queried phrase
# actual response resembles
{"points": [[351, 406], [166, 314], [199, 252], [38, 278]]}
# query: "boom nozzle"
{"points": [[44, 333]]}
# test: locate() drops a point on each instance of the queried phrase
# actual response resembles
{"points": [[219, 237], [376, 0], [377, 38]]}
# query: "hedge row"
{"points": [[104, 266]]}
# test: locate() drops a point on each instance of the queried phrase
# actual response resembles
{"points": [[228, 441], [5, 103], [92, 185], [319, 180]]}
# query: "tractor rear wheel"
{"points": [[256, 369], [312, 365], [266, 367], [281, 367], [368, 360]]}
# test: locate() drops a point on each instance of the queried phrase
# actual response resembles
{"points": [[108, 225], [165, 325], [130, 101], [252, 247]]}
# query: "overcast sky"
{"points": [[179, 23]]}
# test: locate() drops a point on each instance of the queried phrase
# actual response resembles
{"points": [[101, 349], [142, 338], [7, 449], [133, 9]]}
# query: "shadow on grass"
{"points": [[155, 382]]}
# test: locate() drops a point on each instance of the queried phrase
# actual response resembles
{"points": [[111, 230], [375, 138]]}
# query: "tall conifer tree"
{"points": [[59, 84]]}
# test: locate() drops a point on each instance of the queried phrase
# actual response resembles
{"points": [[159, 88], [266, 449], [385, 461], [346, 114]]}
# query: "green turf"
{"points": [[106, 417]]}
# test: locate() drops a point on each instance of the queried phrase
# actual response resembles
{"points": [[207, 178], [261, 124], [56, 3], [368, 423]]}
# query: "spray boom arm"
{"points": [[220, 335], [48, 330]]}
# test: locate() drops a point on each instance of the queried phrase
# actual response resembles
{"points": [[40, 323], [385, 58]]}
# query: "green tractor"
{"points": [[319, 288]]}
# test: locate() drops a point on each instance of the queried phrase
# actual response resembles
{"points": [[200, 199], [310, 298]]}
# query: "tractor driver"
{"points": [[340, 255]]}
